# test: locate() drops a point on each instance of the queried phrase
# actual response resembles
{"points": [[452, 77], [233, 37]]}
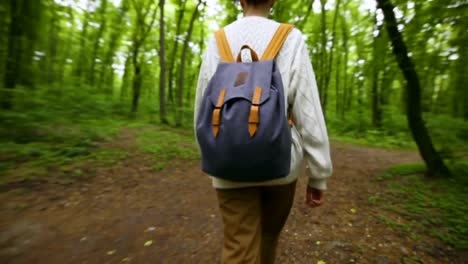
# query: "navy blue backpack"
{"points": [[242, 127]]}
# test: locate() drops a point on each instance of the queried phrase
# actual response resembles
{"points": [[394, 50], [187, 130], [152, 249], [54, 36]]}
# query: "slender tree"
{"points": [[434, 162], [99, 37], [115, 36], [180, 94], [378, 54], [323, 50], [180, 15], [82, 56], [162, 65], [22, 38], [141, 32], [328, 72], [343, 103]]}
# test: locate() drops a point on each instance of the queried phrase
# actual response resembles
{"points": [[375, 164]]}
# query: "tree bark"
{"points": [[330, 60], [114, 42], [96, 48], [180, 16], [53, 43], [162, 65], [141, 32], [344, 29], [67, 50], [82, 59], [180, 95], [13, 59], [323, 53], [126, 77], [434, 162], [378, 54]]}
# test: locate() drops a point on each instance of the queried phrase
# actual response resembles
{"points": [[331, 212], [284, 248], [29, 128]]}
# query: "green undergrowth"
{"points": [[434, 206], [58, 146], [449, 135], [167, 146]]}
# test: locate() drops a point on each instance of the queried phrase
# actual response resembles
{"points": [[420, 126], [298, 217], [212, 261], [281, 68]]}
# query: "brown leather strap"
{"points": [[223, 46], [277, 41], [254, 116], [217, 112], [252, 53], [290, 118]]}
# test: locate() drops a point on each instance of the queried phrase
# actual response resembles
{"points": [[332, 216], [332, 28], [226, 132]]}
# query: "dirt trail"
{"points": [[109, 218]]}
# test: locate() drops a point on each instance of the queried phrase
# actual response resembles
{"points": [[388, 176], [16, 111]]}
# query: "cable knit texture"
{"points": [[309, 134]]}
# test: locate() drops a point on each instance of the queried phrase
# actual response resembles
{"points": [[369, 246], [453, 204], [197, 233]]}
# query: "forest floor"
{"points": [[133, 212]]}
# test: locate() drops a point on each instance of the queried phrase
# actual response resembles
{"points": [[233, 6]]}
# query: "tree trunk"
{"points": [[162, 65], [337, 85], [53, 43], [180, 95], [4, 30], [126, 77], [82, 59], [434, 162], [344, 29], [31, 23], [330, 60], [180, 16], [136, 84], [12, 66], [323, 52], [141, 32], [378, 54], [95, 55], [68, 47], [115, 36]]}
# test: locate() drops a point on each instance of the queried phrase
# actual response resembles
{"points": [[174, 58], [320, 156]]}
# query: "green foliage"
{"points": [[436, 205], [50, 127], [167, 145], [403, 170], [450, 135]]}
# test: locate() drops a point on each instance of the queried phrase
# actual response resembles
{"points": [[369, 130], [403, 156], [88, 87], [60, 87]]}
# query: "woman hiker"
{"points": [[253, 211]]}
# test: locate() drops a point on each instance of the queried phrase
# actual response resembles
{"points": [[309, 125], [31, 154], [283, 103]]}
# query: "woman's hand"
{"points": [[314, 197]]}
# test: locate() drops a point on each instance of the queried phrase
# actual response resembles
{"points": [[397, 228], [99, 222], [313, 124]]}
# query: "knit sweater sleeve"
{"points": [[309, 120]]}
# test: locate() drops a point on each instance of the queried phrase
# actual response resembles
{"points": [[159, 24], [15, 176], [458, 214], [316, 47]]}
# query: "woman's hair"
{"points": [[254, 2]]}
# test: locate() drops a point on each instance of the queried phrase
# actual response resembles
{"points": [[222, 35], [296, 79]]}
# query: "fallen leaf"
{"points": [[318, 242], [321, 262], [126, 259], [353, 210], [148, 243], [150, 229], [111, 252]]}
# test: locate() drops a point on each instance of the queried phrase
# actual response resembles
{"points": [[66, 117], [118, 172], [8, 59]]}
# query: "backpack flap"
{"points": [[240, 81]]}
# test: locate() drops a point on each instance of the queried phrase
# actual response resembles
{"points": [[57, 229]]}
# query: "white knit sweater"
{"points": [[309, 134]]}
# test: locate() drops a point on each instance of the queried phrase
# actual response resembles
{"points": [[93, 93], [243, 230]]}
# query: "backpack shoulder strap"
{"points": [[277, 41], [223, 46]]}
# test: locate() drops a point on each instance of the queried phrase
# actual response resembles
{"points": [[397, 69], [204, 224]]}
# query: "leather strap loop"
{"points": [[254, 116], [277, 41], [252, 53], [217, 112], [223, 46], [290, 118]]}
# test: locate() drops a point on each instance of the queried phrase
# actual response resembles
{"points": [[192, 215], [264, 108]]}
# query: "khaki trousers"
{"points": [[253, 219]]}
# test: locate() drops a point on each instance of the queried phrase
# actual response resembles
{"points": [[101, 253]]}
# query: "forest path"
{"points": [[109, 218]]}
